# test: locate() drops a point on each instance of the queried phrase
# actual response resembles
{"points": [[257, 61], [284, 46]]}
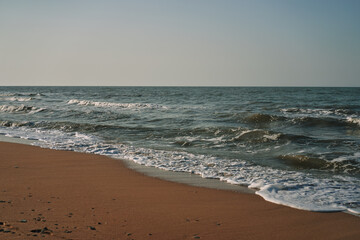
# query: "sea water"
{"points": [[298, 147]]}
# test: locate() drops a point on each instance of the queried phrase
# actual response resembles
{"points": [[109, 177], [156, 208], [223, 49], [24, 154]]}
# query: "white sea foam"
{"points": [[20, 109], [315, 112], [273, 137], [6, 94], [354, 157], [308, 111], [17, 99], [353, 120], [116, 105]]}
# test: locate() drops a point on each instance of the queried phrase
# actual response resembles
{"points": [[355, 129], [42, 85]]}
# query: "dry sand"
{"points": [[48, 194]]}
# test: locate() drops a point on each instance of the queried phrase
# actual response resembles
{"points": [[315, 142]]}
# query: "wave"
{"points": [[339, 113], [20, 109], [69, 127], [262, 118], [17, 99], [15, 124], [6, 94], [353, 120], [24, 94], [343, 164], [319, 111], [63, 126], [116, 105], [256, 136], [327, 121], [308, 111]]}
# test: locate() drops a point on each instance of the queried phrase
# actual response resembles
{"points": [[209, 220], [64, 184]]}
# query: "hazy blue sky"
{"points": [[188, 42]]}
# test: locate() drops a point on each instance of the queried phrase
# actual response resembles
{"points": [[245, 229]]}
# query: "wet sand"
{"points": [[52, 194]]}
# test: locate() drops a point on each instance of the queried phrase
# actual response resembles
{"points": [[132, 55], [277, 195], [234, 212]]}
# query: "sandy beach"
{"points": [[66, 195]]}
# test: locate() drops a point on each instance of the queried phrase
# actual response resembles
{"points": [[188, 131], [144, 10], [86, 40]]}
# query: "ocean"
{"points": [[298, 147]]}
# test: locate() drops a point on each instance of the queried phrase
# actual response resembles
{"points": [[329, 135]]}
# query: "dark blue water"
{"points": [[297, 146]]}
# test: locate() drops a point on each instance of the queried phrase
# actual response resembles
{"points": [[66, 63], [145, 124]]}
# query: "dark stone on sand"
{"points": [[2, 201], [45, 230], [23, 221], [67, 231], [92, 228]]}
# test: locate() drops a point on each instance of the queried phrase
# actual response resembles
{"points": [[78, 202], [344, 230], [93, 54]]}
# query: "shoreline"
{"points": [[190, 179], [70, 195], [172, 176]]}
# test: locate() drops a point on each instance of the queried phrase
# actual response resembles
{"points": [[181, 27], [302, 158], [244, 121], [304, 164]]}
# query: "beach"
{"points": [[67, 195]]}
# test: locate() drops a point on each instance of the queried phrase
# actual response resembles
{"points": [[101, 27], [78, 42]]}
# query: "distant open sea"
{"points": [[297, 146]]}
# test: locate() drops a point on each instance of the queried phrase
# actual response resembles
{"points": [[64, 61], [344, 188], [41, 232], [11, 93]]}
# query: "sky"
{"points": [[180, 43]]}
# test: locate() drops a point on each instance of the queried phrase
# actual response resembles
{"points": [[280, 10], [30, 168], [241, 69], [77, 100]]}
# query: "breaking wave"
{"points": [[353, 120], [323, 112], [17, 99], [20, 109], [116, 105]]}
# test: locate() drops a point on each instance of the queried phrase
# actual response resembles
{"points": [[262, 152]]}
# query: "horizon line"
{"points": [[199, 86]]}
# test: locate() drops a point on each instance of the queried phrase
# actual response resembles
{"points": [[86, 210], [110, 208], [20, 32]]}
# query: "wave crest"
{"points": [[20, 109], [261, 118], [116, 105], [305, 162], [353, 120], [17, 99]]}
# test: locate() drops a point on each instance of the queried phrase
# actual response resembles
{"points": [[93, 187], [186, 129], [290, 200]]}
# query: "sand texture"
{"points": [[48, 194]]}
